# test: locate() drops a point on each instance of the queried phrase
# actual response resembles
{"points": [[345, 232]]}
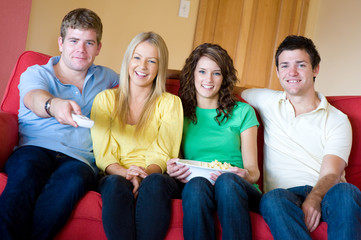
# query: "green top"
{"points": [[207, 141]]}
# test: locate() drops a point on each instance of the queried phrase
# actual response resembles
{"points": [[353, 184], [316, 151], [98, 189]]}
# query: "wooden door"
{"points": [[251, 30]]}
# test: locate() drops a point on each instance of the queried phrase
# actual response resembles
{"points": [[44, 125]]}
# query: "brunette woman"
{"points": [[216, 127]]}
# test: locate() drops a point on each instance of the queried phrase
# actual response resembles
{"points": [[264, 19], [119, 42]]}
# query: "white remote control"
{"points": [[82, 121]]}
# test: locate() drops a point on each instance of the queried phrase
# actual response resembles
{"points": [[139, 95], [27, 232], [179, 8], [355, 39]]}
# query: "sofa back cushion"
{"points": [[10, 101]]}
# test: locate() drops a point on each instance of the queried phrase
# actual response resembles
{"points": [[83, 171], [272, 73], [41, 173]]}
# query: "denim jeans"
{"points": [[42, 189], [231, 197], [340, 208], [147, 217]]}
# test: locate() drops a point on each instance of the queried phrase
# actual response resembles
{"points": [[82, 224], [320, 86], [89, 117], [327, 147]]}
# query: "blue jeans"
{"points": [[340, 208], [42, 189], [231, 197], [148, 217]]}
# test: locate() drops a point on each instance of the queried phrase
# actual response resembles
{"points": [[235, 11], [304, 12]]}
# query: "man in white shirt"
{"points": [[307, 145]]}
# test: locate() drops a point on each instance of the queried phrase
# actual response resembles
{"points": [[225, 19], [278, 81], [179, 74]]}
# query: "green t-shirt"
{"points": [[207, 140]]}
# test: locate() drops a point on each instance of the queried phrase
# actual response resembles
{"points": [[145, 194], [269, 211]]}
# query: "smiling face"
{"points": [[295, 73], [208, 80], [78, 49], [143, 66]]}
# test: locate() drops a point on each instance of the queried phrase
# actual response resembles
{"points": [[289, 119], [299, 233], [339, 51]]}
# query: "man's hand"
{"points": [[62, 109], [311, 208], [332, 168]]}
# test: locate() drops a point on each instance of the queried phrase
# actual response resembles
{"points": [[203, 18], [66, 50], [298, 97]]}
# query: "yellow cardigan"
{"points": [[161, 140]]}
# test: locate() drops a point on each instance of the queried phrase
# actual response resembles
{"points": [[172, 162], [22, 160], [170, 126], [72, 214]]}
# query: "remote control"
{"points": [[82, 121]]}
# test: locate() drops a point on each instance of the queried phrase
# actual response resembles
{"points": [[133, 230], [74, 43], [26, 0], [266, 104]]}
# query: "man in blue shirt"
{"points": [[53, 166]]}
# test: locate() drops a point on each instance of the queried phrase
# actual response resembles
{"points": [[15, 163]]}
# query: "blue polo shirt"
{"points": [[49, 133]]}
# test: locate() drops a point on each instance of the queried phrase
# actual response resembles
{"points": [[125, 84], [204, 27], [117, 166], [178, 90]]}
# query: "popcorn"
{"points": [[218, 165]]}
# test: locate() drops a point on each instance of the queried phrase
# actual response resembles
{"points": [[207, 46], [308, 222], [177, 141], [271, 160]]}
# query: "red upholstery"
{"points": [[9, 138], [10, 102], [86, 221]]}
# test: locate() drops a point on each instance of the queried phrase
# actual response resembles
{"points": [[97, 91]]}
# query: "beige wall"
{"points": [[122, 20], [335, 27]]}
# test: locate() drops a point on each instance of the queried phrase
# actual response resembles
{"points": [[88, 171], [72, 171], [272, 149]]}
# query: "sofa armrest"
{"points": [[9, 134]]}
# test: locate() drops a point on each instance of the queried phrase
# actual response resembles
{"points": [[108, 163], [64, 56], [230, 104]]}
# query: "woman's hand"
{"points": [[135, 174], [215, 175], [243, 173], [136, 183], [135, 171], [179, 172]]}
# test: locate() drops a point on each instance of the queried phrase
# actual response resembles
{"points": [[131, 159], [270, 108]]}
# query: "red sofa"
{"points": [[86, 220]]}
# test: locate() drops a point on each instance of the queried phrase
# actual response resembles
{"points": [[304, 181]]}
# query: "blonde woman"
{"points": [[138, 127]]}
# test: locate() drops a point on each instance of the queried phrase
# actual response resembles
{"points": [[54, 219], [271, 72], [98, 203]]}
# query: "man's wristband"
{"points": [[47, 106]]}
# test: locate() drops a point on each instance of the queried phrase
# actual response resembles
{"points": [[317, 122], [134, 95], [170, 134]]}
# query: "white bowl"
{"points": [[199, 169]]}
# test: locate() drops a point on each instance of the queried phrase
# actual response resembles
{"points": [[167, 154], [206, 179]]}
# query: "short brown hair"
{"points": [[294, 42], [82, 18]]}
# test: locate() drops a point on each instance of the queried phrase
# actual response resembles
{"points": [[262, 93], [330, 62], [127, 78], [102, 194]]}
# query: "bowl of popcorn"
{"points": [[204, 169]]}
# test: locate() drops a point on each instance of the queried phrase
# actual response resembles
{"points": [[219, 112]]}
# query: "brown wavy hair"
{"points": [[187, 90]]}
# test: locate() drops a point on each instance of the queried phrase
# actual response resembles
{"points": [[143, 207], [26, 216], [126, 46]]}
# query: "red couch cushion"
{"points": [[172, 86], [3, 180], [10, 101], [10, 138], [86, 220]]}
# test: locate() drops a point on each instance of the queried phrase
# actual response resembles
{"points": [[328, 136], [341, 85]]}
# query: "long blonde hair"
{"points": [[121, 107]]}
